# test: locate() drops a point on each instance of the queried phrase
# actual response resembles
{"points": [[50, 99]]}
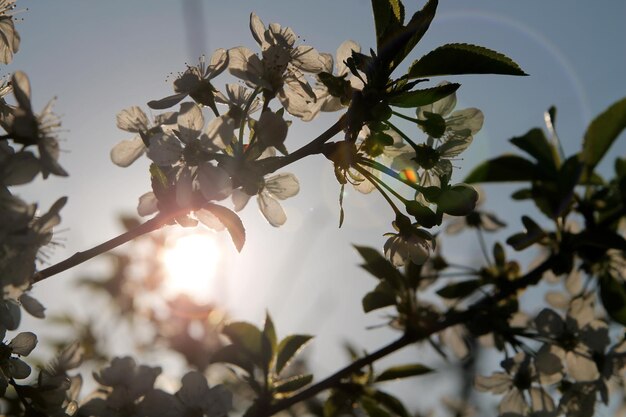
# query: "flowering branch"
{"points": [[452, 318]]}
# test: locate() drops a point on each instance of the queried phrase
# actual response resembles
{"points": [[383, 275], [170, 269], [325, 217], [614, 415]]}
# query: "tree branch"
{"points": [[79, 257], [269, 165]]}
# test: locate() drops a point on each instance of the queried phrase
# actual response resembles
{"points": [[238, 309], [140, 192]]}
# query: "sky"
{"points": [[100, 57]]}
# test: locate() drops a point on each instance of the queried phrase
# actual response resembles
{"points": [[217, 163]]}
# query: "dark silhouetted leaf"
{"points": [[269, 331], [293, 384], [378, 299], [377, 265], [613, 295], [535, 143], [530, 236], [232, 222], [506, 168], [391, 403], [498, 254], [288, 347], [388, 15], [461, 58], [458, 200], [419, 98], [403, 371], [247, 337], [166, 102], [372, 408], [460, 289], [422, 214], [233, 355], [268, 342], [602, 132]]}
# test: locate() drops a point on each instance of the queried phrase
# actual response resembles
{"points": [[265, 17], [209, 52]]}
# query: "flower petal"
{"points": [[497, 383], [18, 368], [581, 368], [257, 28], [127, 151], [214, 182], [164, 149], [132, 119], [190, 122], [240, 199], [194, 391], [23, 343], [271, 209], [343, 53], [282, 186], [271, 129], [147, 204], [219, 62]]}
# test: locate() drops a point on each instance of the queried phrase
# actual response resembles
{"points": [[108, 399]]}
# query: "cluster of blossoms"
{"points": [[196, 162], [577, 357]]}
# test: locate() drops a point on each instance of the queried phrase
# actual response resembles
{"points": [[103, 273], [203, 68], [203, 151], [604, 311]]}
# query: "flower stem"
{"points": [[386, 170], [403, 135], [374, 182], [244, 118]]}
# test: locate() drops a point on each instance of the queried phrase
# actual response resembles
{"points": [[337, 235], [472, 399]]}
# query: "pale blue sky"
{"points": [[99, 57]]}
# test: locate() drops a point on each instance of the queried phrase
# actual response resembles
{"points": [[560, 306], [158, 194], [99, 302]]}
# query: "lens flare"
{"points": [[191, 263]]}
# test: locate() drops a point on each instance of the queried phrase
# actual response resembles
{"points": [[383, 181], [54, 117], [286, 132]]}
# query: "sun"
{"points": [[191, 262]]}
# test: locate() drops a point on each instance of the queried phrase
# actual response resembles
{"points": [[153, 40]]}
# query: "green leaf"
{"points": [[499, 254], [535, 143], [598, 238], [533, 234], [247, 337], [335, 403], [462, 58], [293, 384], [379, 266], [458, 200], [411, 34], [232, 222], [269, 330], [269, 342], [602, 132], [613, 295], [372, 408], [378, 299], [423, 215], [288, 347], [568, 178], [506, 168], [391, 403], [423, 97], [234, 355], [460, 289], [403, 371], [388, 14]]}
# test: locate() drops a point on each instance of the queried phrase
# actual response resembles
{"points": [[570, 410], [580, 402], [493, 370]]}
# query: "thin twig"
{"points": [[79, 257]]}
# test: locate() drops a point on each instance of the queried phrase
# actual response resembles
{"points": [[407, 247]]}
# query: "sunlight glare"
{"points": [[191, 264]]}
